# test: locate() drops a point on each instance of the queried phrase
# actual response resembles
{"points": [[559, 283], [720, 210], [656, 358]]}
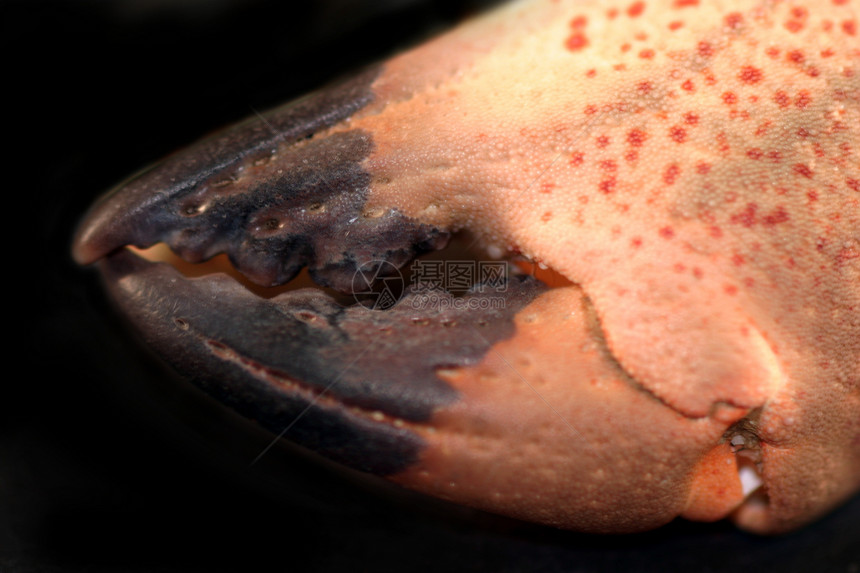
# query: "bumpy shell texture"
{"points": [[681, 176]]}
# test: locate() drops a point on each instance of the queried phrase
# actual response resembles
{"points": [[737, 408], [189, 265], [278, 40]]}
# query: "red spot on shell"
{"points": [[646, 54], [853, 184], [691, 118], [635, 9], [802, 99], [715, 232], [636, 242], [667, 232], [750, 75], [591, 73], [590, 109], [608, 165], [729, 98], [803, 170], [730, 290], [795, 56], [546, 216], [849, 27], [747, 217], [846, 254], [688, 85], [703, 168], [705, 49], [812, 195], [676, 24], [781, 98], [579, 21], [738, 260], [607, 186], [644, 87], [734, 20], [686, 3], [576, 42], [678, 134], [723, 143], [799, 12], [612, 13], [671, 174], [793, 26], [762, 128], [772, 52], [602, 141], [777, 216], [631, 155], [576, 158], [636, 137], [755, 153]]}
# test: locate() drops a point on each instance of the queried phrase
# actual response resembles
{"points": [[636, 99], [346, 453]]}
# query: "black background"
{"points": [[106, 463]]}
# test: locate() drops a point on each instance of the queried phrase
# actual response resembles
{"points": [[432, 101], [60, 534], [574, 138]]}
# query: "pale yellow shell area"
{"points": [[693, 167]]}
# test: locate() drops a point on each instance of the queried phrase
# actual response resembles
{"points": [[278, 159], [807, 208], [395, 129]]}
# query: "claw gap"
{"points": [[161, 253], [461, 248]]}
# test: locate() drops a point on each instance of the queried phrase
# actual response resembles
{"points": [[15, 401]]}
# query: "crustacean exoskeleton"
{"points": [[669, 194]]}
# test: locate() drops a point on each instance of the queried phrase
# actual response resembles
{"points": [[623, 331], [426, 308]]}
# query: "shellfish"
{"points": [[680, 181]]}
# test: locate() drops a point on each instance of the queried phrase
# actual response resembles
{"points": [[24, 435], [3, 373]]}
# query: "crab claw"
{"points": [[680, 179], [270, 196]]}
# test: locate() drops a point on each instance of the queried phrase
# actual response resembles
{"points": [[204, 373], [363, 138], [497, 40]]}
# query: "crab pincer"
{"points": [[664, 316]]}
